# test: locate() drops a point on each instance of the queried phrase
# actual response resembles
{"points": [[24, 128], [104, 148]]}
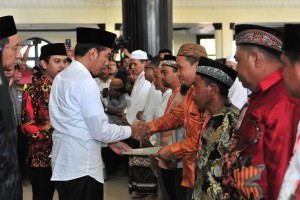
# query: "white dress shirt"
{"points": [[292, 174], [238, 95], [159, 111], [80, 125], [154, 99], [139, 96]]}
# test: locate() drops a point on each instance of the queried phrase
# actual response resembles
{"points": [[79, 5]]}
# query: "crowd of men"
{"points": [[210, 148]]}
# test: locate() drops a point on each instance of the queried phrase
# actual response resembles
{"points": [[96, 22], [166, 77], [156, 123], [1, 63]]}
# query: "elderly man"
{"points": [[80, 125], [138, 61], [36, 122], [266, 128], [10, 177], [290, 58], [211, 87]]}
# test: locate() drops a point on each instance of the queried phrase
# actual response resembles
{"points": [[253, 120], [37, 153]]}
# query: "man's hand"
{"points": [[139, 130], [164, 153], [119, 147]]}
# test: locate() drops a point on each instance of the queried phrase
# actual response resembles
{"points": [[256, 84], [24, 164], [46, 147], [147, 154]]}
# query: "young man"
{"points": [[211, 87], [171, 171], [186, 114], [154, 95], [290, 58], [10, 177], [252, 169], [35, 122], [80, 125]]}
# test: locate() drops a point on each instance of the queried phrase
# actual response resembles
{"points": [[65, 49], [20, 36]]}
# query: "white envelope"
{"points": [[143, 151]]}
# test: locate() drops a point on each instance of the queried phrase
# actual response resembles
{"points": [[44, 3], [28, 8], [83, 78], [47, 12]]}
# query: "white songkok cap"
{"points": [[139, 54]]}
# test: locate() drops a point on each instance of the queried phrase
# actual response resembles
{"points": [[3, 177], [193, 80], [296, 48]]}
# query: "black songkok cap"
{"points": [[169, 61], [291, 40], [95, 36], [258, 35], [216, 71], [7, 26], [53, 49]]}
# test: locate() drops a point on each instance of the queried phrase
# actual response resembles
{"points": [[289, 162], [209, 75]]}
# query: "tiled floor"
{"points": [[115, 188]]}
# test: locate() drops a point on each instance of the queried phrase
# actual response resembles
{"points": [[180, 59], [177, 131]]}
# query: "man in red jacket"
{"points": [[261, 147]]}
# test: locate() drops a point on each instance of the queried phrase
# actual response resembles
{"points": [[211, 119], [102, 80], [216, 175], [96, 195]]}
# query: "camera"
{"points": [[121, 43], [68, 43]]}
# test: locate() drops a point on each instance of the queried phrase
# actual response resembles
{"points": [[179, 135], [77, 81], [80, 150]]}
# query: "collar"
{"points": [[44, 81], [81, 66], [269, 81], [140, 75]]}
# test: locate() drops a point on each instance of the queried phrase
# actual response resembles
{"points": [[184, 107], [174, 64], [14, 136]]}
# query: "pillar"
{"points": [[148, 24]]}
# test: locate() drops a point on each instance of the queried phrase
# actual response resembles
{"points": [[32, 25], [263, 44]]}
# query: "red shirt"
{"points": [[261, 148], [36, 123]]}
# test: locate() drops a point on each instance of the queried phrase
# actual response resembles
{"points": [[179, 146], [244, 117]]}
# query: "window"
{"points": [[35, 51], [209, 42]]}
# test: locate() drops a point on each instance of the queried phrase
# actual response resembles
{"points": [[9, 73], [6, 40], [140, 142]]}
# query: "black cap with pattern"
{"points": [[169, 61], [291, 40], [258, 35], [95, 36], [7, 26], [216, 71]]}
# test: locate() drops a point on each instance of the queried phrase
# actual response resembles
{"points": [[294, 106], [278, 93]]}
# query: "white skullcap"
{"points": [[231, 59], [139, 54]]}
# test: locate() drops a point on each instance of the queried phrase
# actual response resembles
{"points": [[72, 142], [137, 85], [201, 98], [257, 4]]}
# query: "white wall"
{"points": [[110, 16]]}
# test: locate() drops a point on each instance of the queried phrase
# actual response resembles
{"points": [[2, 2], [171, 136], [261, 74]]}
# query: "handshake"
{"points": [[140, 130]]}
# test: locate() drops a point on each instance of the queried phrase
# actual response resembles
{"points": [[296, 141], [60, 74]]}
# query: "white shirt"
{"points": [[154, 98], [139, 96], [238, 94], [292, 174], [158, 112], [80, 125], [101, 84]]}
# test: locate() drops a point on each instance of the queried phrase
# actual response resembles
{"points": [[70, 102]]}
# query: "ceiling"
{"points": [[176, 3], [179, 29]]}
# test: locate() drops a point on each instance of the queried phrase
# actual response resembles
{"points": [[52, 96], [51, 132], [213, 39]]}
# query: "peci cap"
{"points": [[95, 36], [216, 71], [116, 83], [139, 54], [291, 40], [192, 50], [248, 34], [7, 26], [53, 49], [169, 61]]}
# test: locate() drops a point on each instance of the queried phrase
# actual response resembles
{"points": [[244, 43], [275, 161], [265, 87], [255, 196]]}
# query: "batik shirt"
{"points": [[36, 123], [261, 147], [210, 157]]}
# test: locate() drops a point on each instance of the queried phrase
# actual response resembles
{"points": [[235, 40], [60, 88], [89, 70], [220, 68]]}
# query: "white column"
{"points": [[218, 39]]}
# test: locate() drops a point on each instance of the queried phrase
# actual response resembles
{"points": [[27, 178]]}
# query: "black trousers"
{"points": [[42, 187], [84, 188], [172, 180]]}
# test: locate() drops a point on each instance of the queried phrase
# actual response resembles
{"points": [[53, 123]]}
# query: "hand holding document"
{"points": [[143, 151]]}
